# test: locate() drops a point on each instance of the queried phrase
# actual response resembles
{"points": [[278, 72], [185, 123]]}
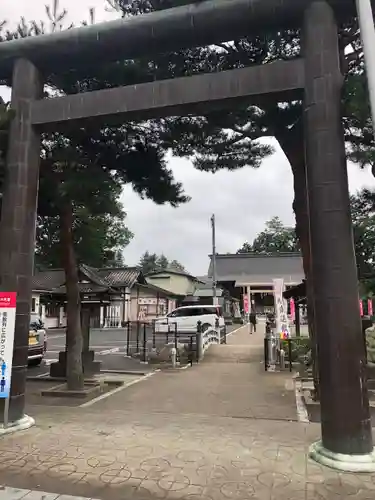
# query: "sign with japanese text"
{"points": [[370, 308], [7, 326], [360, 307], [281, 309], [153, 301]]}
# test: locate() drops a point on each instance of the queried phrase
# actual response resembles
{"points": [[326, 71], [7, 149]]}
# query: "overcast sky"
{"points": [[242, 201]]}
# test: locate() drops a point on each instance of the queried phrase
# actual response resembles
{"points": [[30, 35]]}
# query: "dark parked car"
{"points": [[37, 343]]}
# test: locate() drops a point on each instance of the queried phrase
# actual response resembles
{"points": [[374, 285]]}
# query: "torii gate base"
{"points": [[346, 426]]}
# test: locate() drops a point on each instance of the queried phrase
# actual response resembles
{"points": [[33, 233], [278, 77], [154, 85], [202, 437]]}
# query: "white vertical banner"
{"points": [[7, 326], [281, 309], [249, 307]]}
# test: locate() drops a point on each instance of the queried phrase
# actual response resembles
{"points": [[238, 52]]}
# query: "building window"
{"points": [[162, 310], [52, 311], [33, 305]]}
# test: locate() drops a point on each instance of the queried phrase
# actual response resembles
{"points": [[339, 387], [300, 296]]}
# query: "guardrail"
{"points": [[142, 340], [206, 338]]}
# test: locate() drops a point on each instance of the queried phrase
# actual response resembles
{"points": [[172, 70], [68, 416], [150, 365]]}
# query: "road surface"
{"points": [[110, 346]]}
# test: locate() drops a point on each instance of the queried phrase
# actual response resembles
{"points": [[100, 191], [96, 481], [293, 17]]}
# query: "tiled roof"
{"points": [[93, 275], [206, 283], [207, 292], [258, 268], [47, 280], [121, 276], [83, 288], [172, 271], [204, 279], [100, 279]]}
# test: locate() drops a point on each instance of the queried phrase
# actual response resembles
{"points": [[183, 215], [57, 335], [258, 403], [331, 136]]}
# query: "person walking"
{"points": [[253, 322]]}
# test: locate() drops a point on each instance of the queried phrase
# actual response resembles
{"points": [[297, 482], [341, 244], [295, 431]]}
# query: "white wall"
{"points": [[34, 307]]}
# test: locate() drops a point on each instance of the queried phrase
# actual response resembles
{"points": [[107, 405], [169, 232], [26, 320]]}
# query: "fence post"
{"points": [[190, 358], [176, 337], [282, 358], [154, 334], [272, 345], [199, 341], [144, 343], [217, 327], [265, 354], [138, 334], [290, 354], [225, 334], [174, 357], [128, 338]]}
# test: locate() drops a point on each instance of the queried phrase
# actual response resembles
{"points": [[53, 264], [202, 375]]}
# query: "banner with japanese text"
{"points": [[7, 326], [281, 309]]}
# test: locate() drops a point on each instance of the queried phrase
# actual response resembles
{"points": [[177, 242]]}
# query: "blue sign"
{"points": [[4, 386]]}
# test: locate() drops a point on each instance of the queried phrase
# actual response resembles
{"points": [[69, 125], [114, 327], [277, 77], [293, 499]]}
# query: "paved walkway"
{"points": [[7, 493], [231, 382], [210, 432]]}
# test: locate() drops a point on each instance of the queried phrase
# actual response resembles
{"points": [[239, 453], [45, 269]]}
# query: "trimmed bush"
{"points": [[300, 347], [370, 344]]}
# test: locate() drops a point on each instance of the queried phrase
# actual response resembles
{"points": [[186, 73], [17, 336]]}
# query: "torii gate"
{"points": [[315, 77]]}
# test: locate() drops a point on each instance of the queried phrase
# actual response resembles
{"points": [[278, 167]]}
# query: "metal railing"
{"points": [[143, 339], [206, 338]]}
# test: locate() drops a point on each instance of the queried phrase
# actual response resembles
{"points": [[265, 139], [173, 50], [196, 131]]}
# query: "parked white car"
{"points": [[37, 343], [187, 317]]}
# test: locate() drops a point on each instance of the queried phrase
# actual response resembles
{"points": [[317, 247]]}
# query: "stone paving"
{"points": [[225, 384], [7, 493], [189, 453]]}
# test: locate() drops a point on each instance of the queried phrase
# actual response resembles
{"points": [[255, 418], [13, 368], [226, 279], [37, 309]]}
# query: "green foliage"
{"points": [[279, 238], [162, 262], [177, 266], [363, 217], [370, 345], [228, 138], [99, 240], [6, 115], [87, 167], [359, 131], [276, 238], [222, 139], [150, 262], [300, 346]]}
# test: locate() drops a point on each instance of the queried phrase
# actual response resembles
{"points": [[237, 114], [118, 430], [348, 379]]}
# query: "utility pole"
{"points": [[367, 29], [214, 295]]}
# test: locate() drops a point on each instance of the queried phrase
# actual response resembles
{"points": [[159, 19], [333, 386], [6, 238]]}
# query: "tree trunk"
{"points": [[293, 147], [74, 341]]}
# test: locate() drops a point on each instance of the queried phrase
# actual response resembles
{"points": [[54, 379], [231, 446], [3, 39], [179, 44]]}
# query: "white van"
{"points": [[187, 317]]}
